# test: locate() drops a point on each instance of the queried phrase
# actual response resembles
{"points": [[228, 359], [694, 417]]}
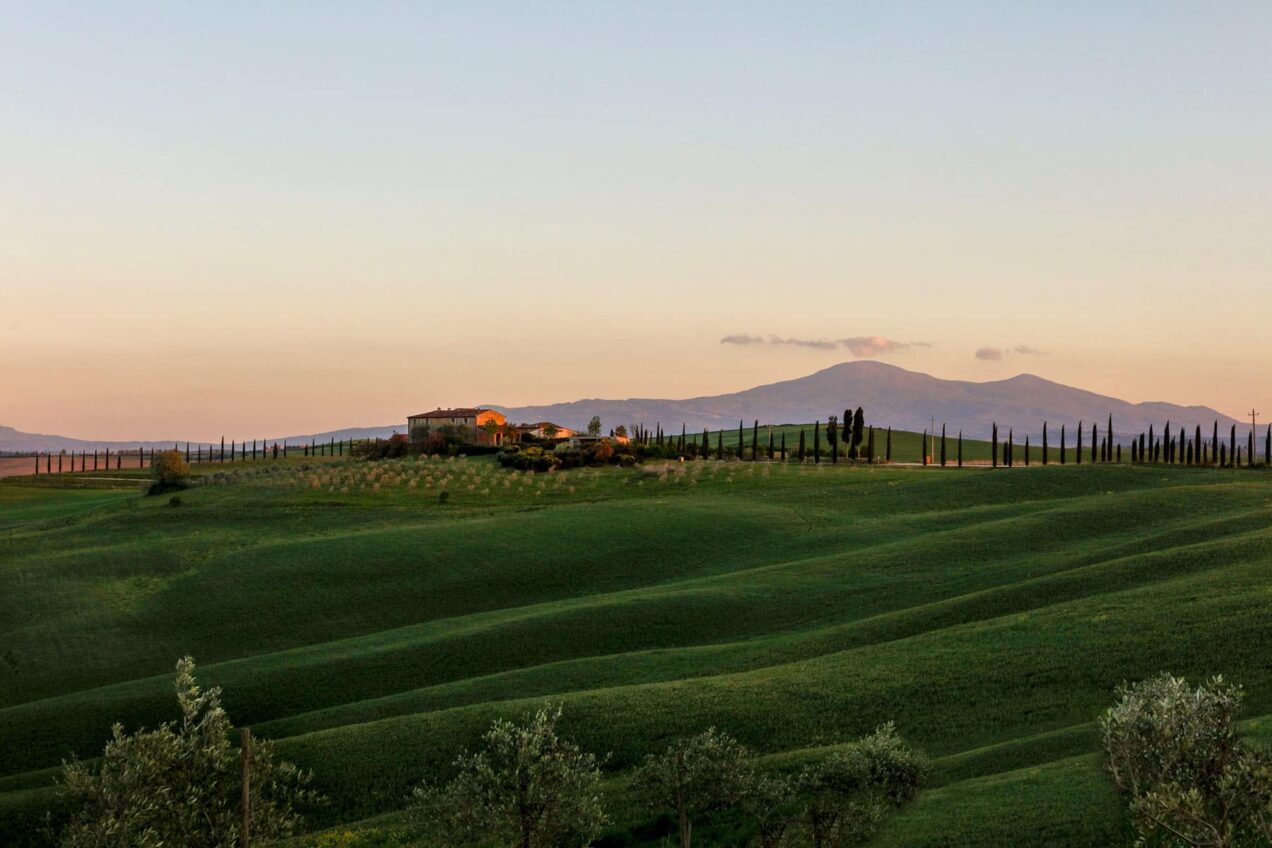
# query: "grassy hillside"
{"points": [[374, 630]]}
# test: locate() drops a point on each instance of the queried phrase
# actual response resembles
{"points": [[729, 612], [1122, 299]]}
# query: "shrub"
{"points": [[1192, 780], [526, 786], [170, 471], [180, 783]]}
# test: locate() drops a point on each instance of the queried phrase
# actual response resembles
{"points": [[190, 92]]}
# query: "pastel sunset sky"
{"points": [[250, 219]]}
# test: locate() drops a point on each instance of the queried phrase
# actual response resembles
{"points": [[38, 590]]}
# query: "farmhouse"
{"points": [[545, 430], [479, 426]]}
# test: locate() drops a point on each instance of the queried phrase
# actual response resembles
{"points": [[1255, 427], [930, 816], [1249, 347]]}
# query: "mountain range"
{"points": [[890, 396]]}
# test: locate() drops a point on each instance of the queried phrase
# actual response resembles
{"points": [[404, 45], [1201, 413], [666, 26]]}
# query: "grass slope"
{"points": [[374, 631]]}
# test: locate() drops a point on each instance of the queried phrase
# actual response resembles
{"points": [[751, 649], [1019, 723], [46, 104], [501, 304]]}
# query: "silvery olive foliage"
{"points": [[180, 784], [849, 793], [525, 786], [1192, 781], [694, 775]]}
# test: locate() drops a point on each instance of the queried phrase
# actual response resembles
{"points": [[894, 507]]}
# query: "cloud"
{"points": [[862, 346], [742, 339], [815, 344], [997, 354]]}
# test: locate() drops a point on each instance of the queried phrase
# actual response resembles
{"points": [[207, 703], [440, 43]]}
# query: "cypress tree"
{"points": [[1011, 447], [1026, 450], [994, 446], [1223, 454], [942, 445], [800, 451], [741, 441], [1095, 434], [783, 446], [706, 444], [770, 449], [1134, 444], [858, 430], [187, 453], [1108, 435], [1267, 447], [817, 442], [720, 444], [1078, 453], [832, 439], [1214, 445], [847, 429], [755, 441], [1250, 449], [1199, 452], [923, 448], [1232, 451], [1141, 448], [1063, 448], [870, 445], [960, 448], [684, 441], [888, 448], [222, 454], [1151, 442], [1044, 443]]}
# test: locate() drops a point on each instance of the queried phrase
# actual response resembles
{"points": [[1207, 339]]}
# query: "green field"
{"points": [[375, 631]]}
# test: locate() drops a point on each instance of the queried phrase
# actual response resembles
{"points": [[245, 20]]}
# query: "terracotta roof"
{"points": [[448, 413]]}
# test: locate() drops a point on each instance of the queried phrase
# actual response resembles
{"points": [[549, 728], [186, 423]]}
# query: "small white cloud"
{"points": [[862, 346]]}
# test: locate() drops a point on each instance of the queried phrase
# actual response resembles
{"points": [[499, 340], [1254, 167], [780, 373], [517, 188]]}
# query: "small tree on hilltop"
{"points": [[594, 426], [1192, 780], [180, 784], [525, 788], [170, 470], [694, 775]]}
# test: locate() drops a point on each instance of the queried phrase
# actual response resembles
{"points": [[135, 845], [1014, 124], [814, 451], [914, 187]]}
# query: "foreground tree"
{"points": [[768, 800], [1192, 780], [694, 775], [525, 788], [180, 784], [850, 792]]}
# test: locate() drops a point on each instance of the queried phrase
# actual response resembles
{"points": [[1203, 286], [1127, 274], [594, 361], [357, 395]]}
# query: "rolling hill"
{"points": [[374, 631]]}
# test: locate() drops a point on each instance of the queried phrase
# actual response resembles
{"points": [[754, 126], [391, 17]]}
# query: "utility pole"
{"points": [[1253, 416]]}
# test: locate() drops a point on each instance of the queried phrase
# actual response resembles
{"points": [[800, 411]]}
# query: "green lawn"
{"points": [[374, 630]]}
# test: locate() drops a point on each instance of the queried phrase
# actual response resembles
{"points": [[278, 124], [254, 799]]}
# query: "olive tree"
{"points": [[848, 794], [1176, 752], [180, 784], [768, 800], [526, 787], [694, 775]]}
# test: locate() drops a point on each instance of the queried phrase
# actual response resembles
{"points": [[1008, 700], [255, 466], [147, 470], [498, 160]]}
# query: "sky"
{"points": [[267, 218]]}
